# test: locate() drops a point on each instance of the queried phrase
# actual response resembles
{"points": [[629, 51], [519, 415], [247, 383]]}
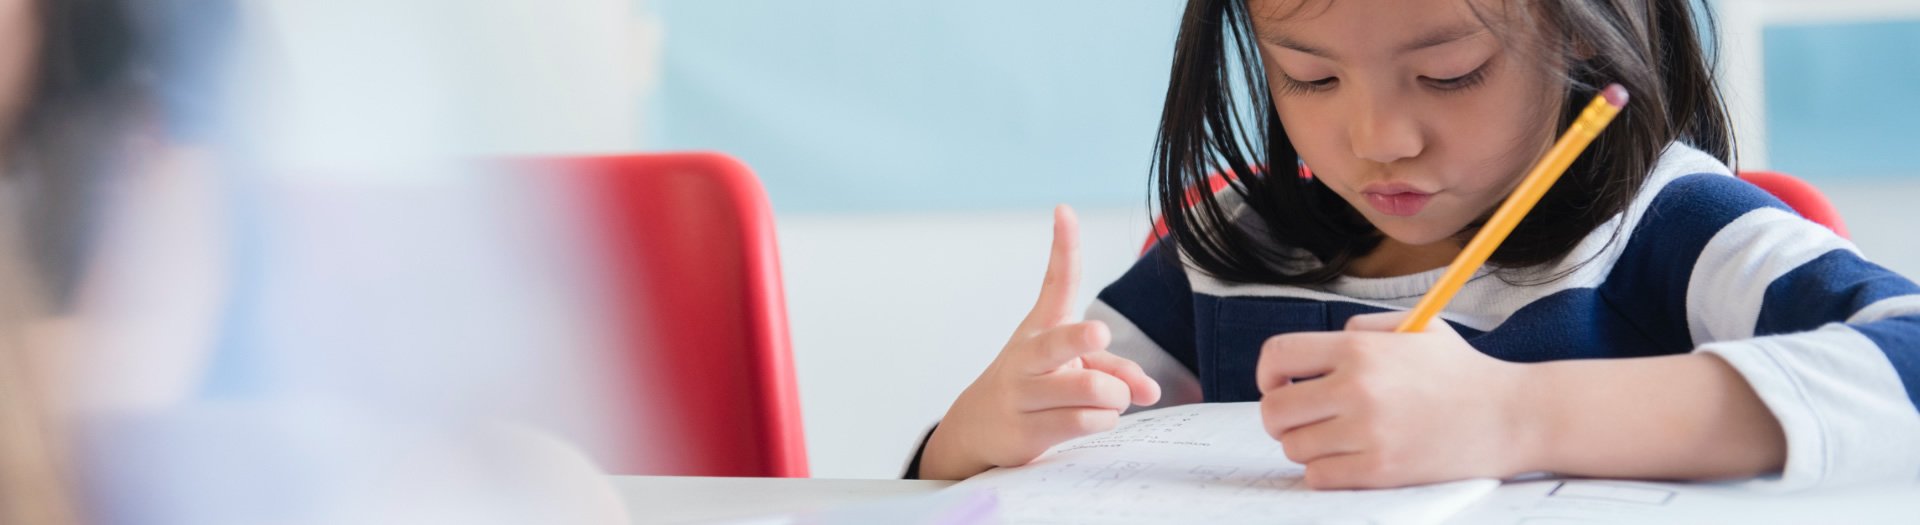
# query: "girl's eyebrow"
{"points": [[1289, 43], [1442, 36], [1445, 35]]}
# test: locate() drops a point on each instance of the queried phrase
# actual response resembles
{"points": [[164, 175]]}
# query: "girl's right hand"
{"points": [[1053, 381]]}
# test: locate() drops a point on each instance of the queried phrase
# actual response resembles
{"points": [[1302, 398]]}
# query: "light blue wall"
{"points": [[863, 105], [916, 105], [1843, 100]]}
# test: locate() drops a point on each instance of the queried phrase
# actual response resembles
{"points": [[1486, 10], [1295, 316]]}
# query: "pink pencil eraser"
{"points": [[1615, 94]]}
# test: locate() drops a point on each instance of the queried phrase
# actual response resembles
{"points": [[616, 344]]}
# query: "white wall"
{"points": [[893, 315]]}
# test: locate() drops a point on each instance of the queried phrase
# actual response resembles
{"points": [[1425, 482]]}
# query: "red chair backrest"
{"points": [[689, 242], [1798, 194]]}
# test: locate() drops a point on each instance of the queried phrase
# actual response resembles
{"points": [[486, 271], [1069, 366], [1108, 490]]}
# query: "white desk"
{"points": [[665, 499]]}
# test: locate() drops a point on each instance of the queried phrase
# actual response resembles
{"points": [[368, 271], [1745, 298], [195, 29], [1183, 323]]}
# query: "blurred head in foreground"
{"points": [[239, 285], [68, 95]]}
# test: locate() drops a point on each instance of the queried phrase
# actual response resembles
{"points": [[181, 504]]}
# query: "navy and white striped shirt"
{"points": [[1829, 340]]}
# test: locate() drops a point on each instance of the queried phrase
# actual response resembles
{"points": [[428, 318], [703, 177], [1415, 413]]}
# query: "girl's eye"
{"points": [[1458, 83], [1290, 85]]}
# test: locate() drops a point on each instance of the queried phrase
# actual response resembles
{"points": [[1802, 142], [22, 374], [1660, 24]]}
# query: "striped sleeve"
{"points": [[1828, 340], [1150, 313]]}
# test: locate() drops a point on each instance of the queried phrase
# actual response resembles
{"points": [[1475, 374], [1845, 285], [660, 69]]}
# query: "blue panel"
{"points": [[876, 105], [1841, 101]]}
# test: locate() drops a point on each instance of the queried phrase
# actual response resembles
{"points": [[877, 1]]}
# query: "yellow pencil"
{"points": [[1544, 173]]}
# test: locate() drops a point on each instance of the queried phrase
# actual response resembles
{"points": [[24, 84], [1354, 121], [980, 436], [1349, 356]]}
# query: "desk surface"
{"points": [[665, 499]]}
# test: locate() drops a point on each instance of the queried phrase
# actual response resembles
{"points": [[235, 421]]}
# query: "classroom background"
{"points": [[336, 265]]}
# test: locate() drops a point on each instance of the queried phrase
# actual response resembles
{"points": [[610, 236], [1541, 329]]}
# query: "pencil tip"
{"points": [[1615, 94]]}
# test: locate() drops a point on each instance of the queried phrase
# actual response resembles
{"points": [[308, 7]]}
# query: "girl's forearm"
{"points": [[1672, 417]]}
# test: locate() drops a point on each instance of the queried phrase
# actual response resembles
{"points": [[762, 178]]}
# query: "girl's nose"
{"points": [[1382, 132]]}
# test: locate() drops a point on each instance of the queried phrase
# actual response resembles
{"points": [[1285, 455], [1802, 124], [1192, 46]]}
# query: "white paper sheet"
{"points": [[1208, 463]]}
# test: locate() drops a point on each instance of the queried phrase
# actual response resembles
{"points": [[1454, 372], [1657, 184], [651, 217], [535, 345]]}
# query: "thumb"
{"points": [[1377, 322], [1142, 387]]}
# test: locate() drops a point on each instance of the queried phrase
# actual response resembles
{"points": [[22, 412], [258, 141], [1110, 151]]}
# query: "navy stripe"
{"points": [[1650, 281], [1828, 289], [1571, 324], [1899, 338], [1155, 296], [1233, 329]]}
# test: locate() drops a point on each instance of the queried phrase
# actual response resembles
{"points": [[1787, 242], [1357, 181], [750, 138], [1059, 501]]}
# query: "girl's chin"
{"points": [[1416, 236]]}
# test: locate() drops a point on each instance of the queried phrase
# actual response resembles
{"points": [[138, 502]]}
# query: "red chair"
{"points": [[1799, 195], [688, 240]]}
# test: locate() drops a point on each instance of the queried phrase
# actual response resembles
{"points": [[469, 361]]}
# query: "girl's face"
{"points": [[19, 35], [1414, 111]]}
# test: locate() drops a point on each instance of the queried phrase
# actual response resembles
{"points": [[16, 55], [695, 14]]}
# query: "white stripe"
{"points": [[1845, 412], [1730, 280], [1209, 285], [1178, 386], [1885, 308], [1464, 309]]}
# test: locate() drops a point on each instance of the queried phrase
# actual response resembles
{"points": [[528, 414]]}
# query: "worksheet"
{"points": [[1209, 463]]}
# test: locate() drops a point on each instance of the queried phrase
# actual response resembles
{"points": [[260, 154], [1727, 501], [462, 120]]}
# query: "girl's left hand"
{"points": [[1390, 409]]}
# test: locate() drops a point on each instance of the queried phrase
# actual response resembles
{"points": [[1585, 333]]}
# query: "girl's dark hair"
{"points": [[1300, 232], [72, 132]]}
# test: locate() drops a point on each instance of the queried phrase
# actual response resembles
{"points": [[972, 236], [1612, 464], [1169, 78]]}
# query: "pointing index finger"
{"points": [[1063, 274]]}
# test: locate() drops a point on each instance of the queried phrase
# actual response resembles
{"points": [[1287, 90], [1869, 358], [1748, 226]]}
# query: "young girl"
{"points": [[1654, 317]]}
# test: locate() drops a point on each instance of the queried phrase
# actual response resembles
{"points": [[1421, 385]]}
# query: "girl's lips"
{"points": [[1399, 204]]}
